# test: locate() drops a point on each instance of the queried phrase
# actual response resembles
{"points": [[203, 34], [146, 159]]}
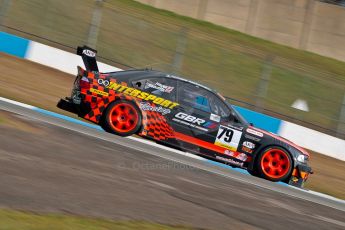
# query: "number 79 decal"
{"points": [[228, 138]]}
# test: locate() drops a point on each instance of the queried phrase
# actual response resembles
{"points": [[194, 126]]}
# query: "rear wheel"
{"points": [[274, 164], [122, 118]]}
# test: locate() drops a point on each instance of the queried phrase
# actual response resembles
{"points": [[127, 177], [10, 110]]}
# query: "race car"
{"points": [[182, 114]]}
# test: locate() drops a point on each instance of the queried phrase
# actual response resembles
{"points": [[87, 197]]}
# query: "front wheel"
{"points": [[274, 164], [122, 118], [253, 172]]}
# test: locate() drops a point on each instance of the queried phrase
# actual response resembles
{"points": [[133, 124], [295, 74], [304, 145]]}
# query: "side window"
{"points": [[218, 106], [159, 86], [194, 97]]}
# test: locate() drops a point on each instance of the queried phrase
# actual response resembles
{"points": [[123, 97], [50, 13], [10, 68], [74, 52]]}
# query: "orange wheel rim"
{"points": [[123, 117], [275, 163]]}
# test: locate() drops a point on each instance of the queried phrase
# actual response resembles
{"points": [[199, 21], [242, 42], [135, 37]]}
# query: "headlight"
{"points": [[302, 158]]}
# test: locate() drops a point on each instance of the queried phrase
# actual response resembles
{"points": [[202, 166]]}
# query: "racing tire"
{"points": [[122, 118], [253, 172], [274, 164]]}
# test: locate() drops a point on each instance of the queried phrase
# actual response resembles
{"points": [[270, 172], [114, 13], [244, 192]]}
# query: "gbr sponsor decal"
{"points": [[194, 122], [190, 118]]}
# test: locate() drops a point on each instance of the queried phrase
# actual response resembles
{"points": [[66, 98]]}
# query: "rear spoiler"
{"points": [[89, 58]]}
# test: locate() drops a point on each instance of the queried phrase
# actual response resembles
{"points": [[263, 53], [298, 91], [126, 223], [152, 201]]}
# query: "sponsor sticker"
{"points": [[246, 149], [239, 156], [215, 117], [89, 53], [231, 161], [235, 127], [190, 124], [148, 107], [242, 157], [228, 153], [99, 92], [190, 118], [254, 132], [249, 144], [103, 82], [159, 86], [190, 121], [252, 138]]}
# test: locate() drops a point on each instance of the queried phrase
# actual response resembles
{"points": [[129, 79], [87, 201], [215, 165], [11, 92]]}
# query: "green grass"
{"points": [[16, 220], [229, 61]]}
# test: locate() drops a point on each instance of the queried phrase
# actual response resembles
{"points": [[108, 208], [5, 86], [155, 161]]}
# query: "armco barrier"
{"points": [[67, 62]]}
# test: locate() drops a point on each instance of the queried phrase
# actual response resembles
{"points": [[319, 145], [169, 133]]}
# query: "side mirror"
{"points": [[236, 120], [233, 118]]}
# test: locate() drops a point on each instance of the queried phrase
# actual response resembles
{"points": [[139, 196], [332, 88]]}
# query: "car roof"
{"points": [[143, 73]]}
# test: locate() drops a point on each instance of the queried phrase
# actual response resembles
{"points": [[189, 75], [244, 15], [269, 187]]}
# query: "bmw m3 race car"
{"points": [[182, 114]]}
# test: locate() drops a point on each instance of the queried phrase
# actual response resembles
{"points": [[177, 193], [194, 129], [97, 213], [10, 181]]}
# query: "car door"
{"points": [[219, 126], [193, 119], [230, 130]]}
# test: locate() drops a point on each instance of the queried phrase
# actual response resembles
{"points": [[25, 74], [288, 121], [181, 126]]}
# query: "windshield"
{"points": [[237, 114]]}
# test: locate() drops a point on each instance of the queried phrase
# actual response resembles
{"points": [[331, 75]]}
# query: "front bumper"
{"points": [[300, 175]]}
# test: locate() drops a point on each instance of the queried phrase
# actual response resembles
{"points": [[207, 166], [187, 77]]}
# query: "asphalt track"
{"points": [[73, 167]]}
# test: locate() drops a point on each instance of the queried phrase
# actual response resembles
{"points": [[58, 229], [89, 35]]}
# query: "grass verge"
{"points": [[17, 220]]}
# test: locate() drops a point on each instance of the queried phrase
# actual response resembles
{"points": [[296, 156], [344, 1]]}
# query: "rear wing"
{"points": [[89, 58]]}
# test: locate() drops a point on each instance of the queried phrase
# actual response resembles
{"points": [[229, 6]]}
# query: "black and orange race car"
{"points": [[182, 114]]}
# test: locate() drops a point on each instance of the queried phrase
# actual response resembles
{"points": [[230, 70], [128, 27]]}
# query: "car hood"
{"points": [[302, 150]]}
